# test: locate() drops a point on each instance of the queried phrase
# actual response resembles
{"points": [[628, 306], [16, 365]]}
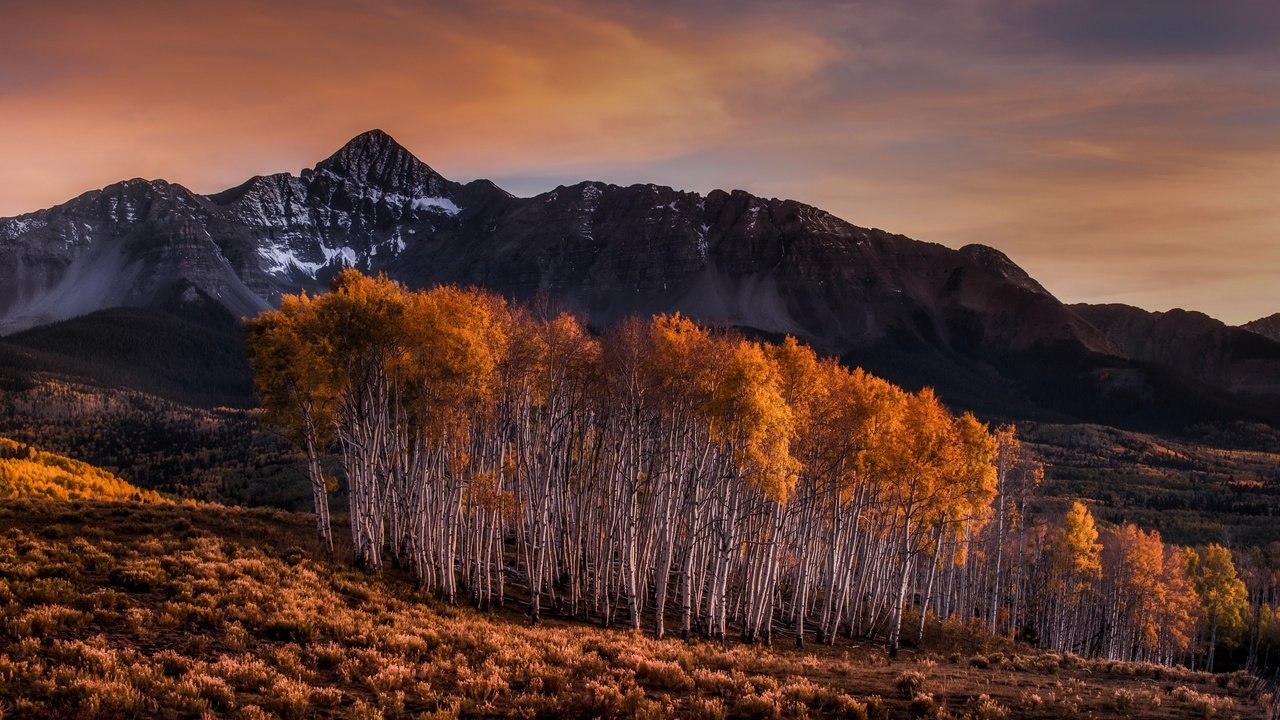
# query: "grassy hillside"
{"points": [[124, 609], [28, 472]]}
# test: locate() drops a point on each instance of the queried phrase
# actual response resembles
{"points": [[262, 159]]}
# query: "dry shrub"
{"points": [[290, 698], [49, 591], [138, 576], [214, 689], [659, 675], [598, 699], [103, 697], [45, 620], [289, 627], [406, 644], [705, 709], [253, 712], [755, 707], [719, 682], [806, 695], [909, 683], [485, 683], [1205, 705], [985, 708], [1123, 699], [244, 672], [877, 709], [924, 706]]}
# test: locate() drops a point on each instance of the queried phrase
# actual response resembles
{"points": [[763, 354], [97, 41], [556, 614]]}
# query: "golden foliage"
{"points": [[1077, 552], [27, 472]]}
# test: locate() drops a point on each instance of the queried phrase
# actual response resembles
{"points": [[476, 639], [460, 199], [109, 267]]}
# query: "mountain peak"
{"points": [[997, 262], [375, 158], [375, 139], [1268, 326]]}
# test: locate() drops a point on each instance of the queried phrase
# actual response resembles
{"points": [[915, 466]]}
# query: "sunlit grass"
{"points": [[127, 609]]}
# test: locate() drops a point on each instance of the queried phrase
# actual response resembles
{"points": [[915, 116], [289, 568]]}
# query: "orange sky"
{"points": [[1120, 151]]}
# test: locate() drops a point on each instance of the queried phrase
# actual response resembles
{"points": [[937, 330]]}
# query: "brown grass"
{"points": [[124, 610]]}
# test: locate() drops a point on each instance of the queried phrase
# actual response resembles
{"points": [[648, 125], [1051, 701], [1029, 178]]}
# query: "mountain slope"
{"points": [[1268, 326], [192, 353], [1194, 344], [130, 244], [969, 321]]}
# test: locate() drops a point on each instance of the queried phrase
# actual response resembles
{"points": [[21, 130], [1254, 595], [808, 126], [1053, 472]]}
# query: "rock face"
{"points": [[969, 321], [129, 244], [1268, 327], [1192, 343]]}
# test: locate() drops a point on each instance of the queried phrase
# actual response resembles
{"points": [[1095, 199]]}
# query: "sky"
{"points": [[1119, 150]]}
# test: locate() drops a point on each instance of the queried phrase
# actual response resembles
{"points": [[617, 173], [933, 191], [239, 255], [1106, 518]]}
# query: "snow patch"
{"points": [[436, 204], [345, 254], [281, 259], [19, 226]]}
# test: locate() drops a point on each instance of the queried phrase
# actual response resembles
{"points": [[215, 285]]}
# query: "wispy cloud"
{"points": [[1117, 148]]}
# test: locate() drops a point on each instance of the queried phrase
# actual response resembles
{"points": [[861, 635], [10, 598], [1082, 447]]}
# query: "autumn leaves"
{"points": [[667, 472], [1123, 593], [660, 465]]}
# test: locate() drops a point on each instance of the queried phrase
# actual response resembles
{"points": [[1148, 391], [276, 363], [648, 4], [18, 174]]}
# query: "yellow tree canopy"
{"points": [[1223, 595], [749, 414], [289, 373], [27, 472], [455, 340], [974, 474], [359, 325], [1138, 572], [1076, 550], [1179, 607], [682, 361], [913, 461], [802, 378]]}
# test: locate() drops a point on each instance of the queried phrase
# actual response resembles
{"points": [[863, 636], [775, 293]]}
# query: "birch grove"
{"points": [[663, 474]]}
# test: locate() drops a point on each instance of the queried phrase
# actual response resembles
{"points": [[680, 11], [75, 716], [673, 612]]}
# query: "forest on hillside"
{"points": [[666, 472]]}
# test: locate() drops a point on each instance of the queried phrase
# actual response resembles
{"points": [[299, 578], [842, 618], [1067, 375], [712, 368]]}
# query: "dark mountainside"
{"points": [[1194, 343], [969, 322], [1268, 326]]}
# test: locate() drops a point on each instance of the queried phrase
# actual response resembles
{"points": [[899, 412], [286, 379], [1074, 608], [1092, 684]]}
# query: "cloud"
{"points": [[1115, 148], [294, 80], [1150, 28]]}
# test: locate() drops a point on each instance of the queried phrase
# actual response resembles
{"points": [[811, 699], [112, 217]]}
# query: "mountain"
{"points": [[190, 354], [1268, 326], [1193, 343], [968, 321]]}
